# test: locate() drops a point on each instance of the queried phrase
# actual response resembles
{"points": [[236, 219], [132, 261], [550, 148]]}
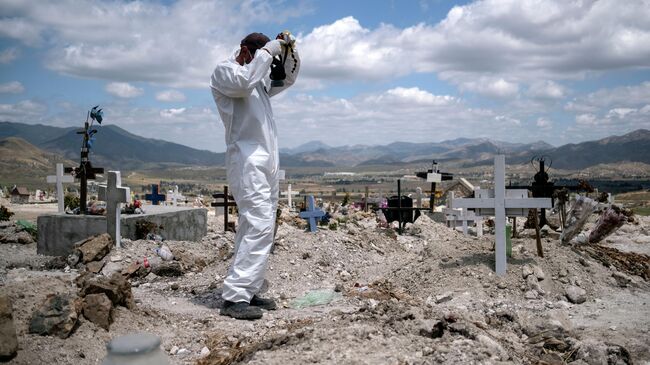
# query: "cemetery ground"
{"points": [[427, 296]]}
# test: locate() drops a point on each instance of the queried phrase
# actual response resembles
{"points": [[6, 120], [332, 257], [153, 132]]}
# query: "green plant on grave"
{"points": [[28, 227], [346, 199], [71, 201], [333, 226], [5, 213]]}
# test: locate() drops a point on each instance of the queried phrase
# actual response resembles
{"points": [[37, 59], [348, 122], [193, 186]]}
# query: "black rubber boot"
{"points": [[268, 304], [240, 310]]}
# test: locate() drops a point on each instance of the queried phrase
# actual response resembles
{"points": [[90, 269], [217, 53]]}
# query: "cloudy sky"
{"points": [[373, 71]]}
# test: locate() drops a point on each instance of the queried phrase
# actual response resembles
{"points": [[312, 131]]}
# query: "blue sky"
{"points": [[373, 72]]}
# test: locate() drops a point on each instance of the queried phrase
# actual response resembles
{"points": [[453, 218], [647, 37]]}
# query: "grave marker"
{"points": [[175, 196], [311, 214], [500, 204], [114, 194], [59, 179], [454, 216], [155, 198], [289, 195], [226, 203]]}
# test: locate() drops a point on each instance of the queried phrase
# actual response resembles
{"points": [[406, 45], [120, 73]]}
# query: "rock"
{"points": [[592, 352], [205, 351], [502, 285], [462, 329], [563, 273], [174, 350], [621, 279], [526, 271], [538, 273], [98, 309], [8, 337], [575, 294], [533, 284], [444, 297], [94, 248], [432, 329], [174, 286], [169, 269], [95, 266], [57, 316], [493, 347], [22, 237], [183, 352], [117, 288], [56, 263], [116, 258], [531, 294]]}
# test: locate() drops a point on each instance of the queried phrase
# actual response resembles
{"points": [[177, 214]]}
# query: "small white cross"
{"points": [[114, 194], [59, 179], [289, 195], [175, 196]]}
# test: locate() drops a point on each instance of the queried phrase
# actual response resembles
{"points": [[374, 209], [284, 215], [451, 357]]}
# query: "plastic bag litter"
{"points": [[611, 220], [314, 298], [577, 217], [165, 253]]}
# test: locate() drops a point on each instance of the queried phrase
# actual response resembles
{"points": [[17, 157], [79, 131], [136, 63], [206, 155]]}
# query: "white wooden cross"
{"points": [[462, 215], [500, 203], [59, 179], [289, 195], [114, 194], [175, 196], [418, 197]]}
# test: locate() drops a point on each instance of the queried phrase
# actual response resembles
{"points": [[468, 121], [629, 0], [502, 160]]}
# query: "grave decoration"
{"points": [[542, 187], [114, 194], [400, 208], [312, 214], [226, 203], [85, 171], [59, 179], [155, 197], [455, 216], [434, 176], [500, 203]]}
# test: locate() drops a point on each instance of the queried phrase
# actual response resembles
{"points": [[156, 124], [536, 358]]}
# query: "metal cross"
{"points": [[155, 198], [228, 201]]}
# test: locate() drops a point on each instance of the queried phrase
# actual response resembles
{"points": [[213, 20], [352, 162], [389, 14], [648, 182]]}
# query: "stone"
{"points": [[95, 248], [57, 316], [563, 273], [575, 294], [445, 297], [494, 348], [432, 329], [539, 273], [22, 237], [117, 288], [592, 352], [98, 309], [526, 271], [502, 285], [169, 269], [532, 283], [531, 294], [173, 350], [205, 351], [461, 329], [95, 266], [8, 337], [621, 279]]}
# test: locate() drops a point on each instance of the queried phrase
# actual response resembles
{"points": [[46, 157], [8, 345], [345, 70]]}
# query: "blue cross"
{"points": [[311, 214], [154, 197]]}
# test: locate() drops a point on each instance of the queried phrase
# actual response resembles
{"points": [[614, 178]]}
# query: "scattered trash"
{"points": [[314, 298], [165, 253], [580, 212]]}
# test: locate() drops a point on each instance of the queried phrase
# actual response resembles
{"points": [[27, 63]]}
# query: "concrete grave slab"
{"points": [[59, 232]]}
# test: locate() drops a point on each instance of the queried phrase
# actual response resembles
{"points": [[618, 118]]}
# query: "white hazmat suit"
{"points": [[242, 96]]}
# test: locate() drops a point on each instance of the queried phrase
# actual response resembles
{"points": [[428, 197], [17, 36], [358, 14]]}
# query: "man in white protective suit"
{"points": [[241, 87]]}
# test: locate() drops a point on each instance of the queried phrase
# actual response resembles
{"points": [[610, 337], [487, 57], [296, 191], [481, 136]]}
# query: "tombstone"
{"points": [[228, 201], [59, 179], [462, 216], [289, 195], [311, 214], [114, 194], [154, 197], [500, 203], [175, 196]]}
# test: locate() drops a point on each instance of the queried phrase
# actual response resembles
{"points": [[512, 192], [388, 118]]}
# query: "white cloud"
{"points": [[170, 96], [546, 90], [623, 96], [544, 123], [499, 88], [26, 111], [170, 113], [9, 55], [123, 90], [12, 87]]}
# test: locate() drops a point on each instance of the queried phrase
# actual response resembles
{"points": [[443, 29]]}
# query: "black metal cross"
{"points": [[228, 201]]}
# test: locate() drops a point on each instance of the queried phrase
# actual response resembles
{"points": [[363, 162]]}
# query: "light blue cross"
{"points": [[311, 214]]}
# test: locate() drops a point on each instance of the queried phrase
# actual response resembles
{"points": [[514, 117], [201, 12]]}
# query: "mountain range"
{"points": [[118, 149]]}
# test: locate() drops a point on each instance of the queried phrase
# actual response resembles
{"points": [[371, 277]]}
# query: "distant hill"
{"points": [[22, 163], [114, 147]]}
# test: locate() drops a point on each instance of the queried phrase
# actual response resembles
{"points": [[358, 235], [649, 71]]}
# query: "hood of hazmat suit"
{"points": [[242, 96]]}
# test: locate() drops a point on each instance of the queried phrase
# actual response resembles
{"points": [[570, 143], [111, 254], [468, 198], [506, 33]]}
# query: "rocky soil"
{"points": [[427, 296]]}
